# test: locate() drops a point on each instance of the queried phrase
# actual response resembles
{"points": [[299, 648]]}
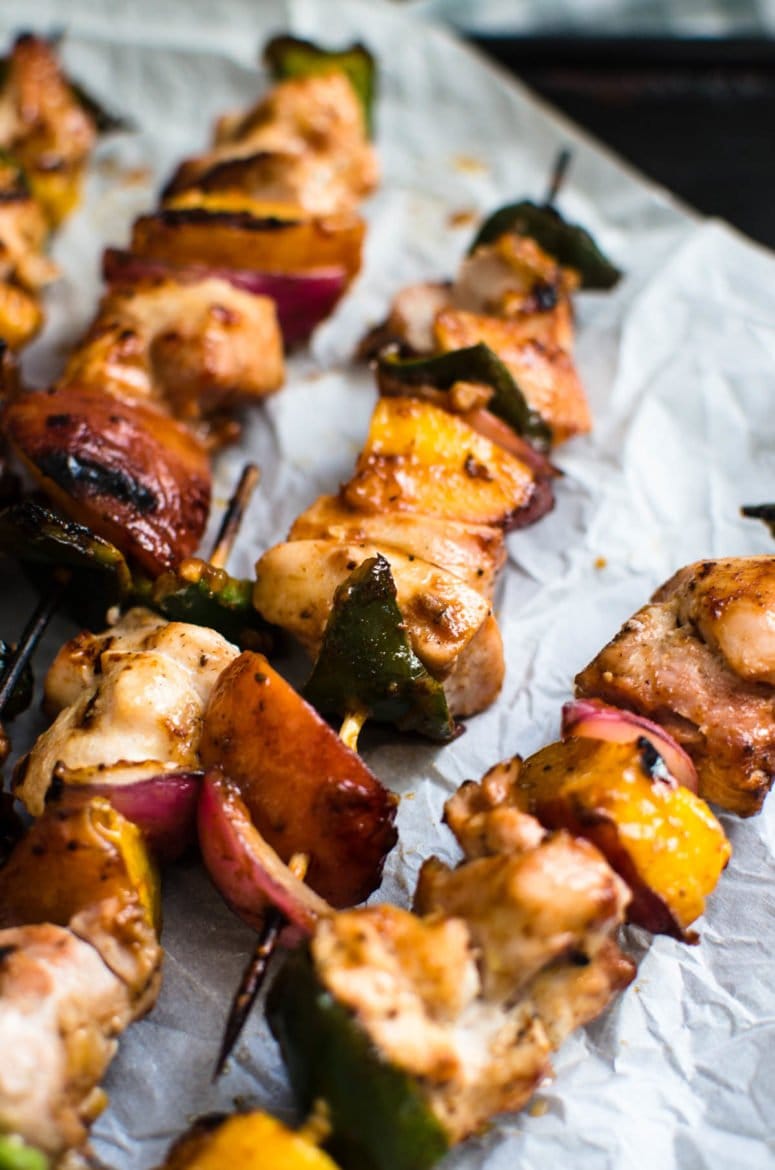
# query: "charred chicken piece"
{"points": [[124, 469], [195, 347], [130, 704], [700, 660]]}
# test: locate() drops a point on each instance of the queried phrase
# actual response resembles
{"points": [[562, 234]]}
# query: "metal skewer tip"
{"points": [[559, 172], [232, 517], [255, 972]]}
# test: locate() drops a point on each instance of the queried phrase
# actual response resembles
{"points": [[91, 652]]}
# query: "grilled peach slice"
{"points": [[419, 458], [658, 835], [130, 473], [305, 791]]}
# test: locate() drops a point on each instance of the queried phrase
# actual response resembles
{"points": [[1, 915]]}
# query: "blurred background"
{"points": [[683, 89]]}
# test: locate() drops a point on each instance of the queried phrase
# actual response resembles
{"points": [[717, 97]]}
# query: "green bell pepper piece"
{"points": [[288, 56], [380, 1119], [15, 1154], [763, 512], [198, 593], [571, 245], [475, 363], [366, 662], [42, 539]]}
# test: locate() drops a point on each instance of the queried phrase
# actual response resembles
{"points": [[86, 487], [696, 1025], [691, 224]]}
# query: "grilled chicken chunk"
{"points": [[61, 1009], [296, 581], [130, 704], [195, 347], [44, 125], [305, 143], [514, 298], [544, 372], [700, 660], [501, 959]]}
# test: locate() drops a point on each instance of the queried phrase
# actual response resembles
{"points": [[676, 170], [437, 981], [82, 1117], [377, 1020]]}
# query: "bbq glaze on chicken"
{"points": [[129, 704], [700, 660]]}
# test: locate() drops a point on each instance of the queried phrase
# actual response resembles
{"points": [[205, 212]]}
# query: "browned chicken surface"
{"points": [[700, 659], [503, 957], [304, 144], [194, 347]]}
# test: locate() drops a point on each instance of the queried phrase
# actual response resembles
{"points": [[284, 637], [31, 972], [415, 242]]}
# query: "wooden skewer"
{"points": [[233, 516], [559, 172], [255, 972]]}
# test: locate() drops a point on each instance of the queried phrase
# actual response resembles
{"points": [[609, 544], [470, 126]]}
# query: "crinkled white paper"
{"points": [[679, 363]]}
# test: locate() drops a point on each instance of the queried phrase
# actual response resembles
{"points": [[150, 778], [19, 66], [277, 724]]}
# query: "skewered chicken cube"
{"points": [[130, 704], [196, 347], [700, 660], [304, 144]]}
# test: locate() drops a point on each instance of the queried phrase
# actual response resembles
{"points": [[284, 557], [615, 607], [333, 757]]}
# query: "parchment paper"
{"points": [[678, 363]]}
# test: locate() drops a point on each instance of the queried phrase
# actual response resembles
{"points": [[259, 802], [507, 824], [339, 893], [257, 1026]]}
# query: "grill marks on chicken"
{"points": [[130, 704], [699, 659]]}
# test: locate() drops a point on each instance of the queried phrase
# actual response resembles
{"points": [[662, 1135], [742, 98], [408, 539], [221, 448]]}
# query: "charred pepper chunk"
{"points": [[571, 245], [475, 363], [380, 1120], [366, 664], [289, 56]]}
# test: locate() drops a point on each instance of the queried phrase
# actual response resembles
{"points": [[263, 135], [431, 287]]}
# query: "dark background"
{"points": [[698, 116]]}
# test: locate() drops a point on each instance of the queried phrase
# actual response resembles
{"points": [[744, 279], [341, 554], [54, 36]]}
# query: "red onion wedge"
{"points": [[592, 719], [302, 299], [163, 808], [245, 869]]}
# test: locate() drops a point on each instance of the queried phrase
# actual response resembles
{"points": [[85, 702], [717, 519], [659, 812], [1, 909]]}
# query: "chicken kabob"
{"points": [[455, 456], [415, 539], [128, 740], [48, 127], [409, 1031], [120, 442], [123, 434]]}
